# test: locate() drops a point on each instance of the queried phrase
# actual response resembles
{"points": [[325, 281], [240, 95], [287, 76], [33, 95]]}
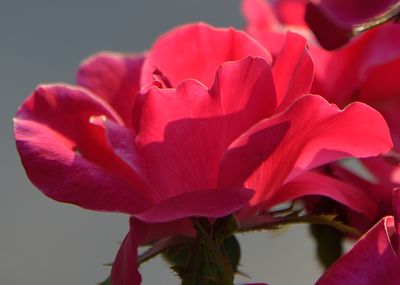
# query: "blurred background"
{"points": [[45, 243]]}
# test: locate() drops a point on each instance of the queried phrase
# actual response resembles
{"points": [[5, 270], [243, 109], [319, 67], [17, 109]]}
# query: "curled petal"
{"points": [[67, 157], [371, 261]]}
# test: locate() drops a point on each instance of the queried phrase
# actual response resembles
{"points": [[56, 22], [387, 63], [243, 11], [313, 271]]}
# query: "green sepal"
{"points": [[329, 243]]}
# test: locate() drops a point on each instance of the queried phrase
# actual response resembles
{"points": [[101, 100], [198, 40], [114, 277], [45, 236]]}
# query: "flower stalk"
{"points": [[208, 263]]}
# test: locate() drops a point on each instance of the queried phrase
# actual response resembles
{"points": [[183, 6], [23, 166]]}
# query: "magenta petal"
{"points": [[114, 77], [213, 203], [371, 261], [185, 132], [67, 157], [196, 50], [293, 71], [124, 270], [312, 183]]}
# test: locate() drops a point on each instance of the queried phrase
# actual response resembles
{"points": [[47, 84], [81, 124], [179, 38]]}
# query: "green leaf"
{"points": [[329, 243]]}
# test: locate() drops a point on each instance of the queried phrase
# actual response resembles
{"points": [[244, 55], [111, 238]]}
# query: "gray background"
{"points": [[46, 243]]}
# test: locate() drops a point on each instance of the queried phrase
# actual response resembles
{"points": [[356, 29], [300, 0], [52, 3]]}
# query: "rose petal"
{"points": [[195, 51], [259, 14], [184, 132], [371, 261], [214, 203], [317, 133], [124, 270], [67, 157], [330, 34], [114, 77], [293, 71], [312, 183], [291, 12]]}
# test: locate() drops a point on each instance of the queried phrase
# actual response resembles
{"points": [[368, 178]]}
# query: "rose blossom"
{"points": [[212, 124]]}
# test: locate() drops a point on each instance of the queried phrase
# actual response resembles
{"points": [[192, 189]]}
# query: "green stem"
{"points": [[207, 263]]}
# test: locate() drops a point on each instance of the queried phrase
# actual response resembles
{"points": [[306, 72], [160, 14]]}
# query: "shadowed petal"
{"points": [[316, 133], [184, 132], [312, 183]]}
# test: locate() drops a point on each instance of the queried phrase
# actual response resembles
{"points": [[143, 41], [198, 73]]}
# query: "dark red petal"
{"points": [[293, 71], [115, 77], [68, 158], [184, 132], [124, 270], [329, 33], [196, 50], [212, 203]]}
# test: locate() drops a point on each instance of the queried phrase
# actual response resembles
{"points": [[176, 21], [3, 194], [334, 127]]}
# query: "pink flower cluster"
{"points": [[212, 122]]}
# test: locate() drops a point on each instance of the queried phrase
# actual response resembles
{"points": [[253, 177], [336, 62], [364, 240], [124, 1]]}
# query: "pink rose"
{"points": [[202, 126]]}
